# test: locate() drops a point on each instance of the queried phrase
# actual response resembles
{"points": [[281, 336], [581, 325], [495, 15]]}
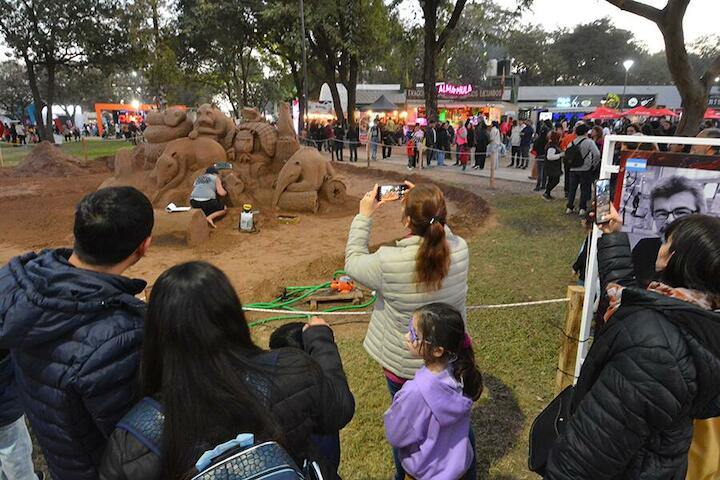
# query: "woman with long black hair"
{"points": [[200, 363]]}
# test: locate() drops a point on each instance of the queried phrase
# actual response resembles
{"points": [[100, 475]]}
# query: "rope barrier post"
{"points": [[493, 161], [367, 150], [85, 154], [2, 161], [569, 343]]}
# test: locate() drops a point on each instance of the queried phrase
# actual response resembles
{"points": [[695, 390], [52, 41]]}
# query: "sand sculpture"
{"points": [[304, 180], [261, 155], [211, 122], [164, 127]]}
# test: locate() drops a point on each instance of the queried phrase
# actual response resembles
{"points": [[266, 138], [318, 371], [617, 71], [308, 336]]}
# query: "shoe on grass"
{"points": [[568, 211]]}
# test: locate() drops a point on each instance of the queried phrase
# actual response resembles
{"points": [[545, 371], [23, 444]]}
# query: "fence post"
{"points": [[495, 157], [568, 339], [367, 150], [2, 161], [84, 143]]}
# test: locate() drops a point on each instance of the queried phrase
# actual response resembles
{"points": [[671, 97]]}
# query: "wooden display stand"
{"points": [[327, 295]]}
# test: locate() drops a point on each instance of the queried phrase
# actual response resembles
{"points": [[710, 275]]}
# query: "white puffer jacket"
{"points": [[391, 272]]}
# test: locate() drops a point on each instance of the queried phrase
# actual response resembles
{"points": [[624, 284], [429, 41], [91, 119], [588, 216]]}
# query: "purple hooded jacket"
{"points": [[428, 422]]}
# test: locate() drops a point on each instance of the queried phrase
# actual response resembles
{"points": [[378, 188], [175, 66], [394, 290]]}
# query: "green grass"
{"points": [[527, 256], [12, 155]]}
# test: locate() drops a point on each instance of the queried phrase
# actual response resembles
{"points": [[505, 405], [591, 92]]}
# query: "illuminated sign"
{"points": [[454, 90], [127, 118]]}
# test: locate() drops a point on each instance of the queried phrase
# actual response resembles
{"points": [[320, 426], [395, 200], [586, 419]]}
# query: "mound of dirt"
{"points": [[47, 160]]}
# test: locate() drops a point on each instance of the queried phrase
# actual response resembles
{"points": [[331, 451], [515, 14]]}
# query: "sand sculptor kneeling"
{"points": [[206, 189]]}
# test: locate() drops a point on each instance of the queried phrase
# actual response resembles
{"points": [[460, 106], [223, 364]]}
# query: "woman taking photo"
{"points": [[213, 382], [429, 265], [656, 366]]}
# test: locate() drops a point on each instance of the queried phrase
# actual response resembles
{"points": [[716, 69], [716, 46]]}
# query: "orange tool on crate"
{"points": [[343, 284]]}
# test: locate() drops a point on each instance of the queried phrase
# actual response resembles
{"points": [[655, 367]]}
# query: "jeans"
{"points": [[480, 158], [515, 155], [552, 182], [373, 149], [541, 179], [471, 473], [457, 154], [525, 155], [16, 452], [583, 180], [412, 159], [329, 447], [353, 151], [440, 156], [387, 151], [339, 148]]}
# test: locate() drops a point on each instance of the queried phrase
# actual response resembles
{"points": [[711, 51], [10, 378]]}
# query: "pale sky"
{"points": [[701, 17]]}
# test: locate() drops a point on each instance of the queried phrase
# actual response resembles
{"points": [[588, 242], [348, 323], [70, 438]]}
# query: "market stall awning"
{"points": [[663, 112], [711, 114], [382, 104], [640, 112], [602, 113]]}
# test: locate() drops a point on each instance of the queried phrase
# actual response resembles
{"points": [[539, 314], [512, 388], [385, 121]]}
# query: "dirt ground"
{"points": [[38, 213]]}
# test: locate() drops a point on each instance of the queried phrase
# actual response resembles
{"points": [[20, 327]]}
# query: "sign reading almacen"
{"points": [[490, 90]]}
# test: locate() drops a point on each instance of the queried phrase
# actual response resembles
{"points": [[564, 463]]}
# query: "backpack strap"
{"points": [[145, 422]]}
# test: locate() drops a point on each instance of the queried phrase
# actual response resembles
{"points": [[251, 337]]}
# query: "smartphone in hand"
{"points": [[602, 201], [385, 190]]}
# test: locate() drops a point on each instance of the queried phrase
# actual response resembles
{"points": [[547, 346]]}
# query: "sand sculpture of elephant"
{"points": [[211, 122], [305, 171], [181, 159]]}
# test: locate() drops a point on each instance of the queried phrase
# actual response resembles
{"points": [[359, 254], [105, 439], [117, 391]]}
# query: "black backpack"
{"points": [[573, 155]]}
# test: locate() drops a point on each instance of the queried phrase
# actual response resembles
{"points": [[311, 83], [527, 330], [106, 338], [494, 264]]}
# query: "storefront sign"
{"points": [[611, 100], [454, 90], [714, 101], [490, 90]]}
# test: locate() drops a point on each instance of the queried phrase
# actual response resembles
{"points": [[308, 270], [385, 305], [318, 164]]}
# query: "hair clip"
{"points": [[467, 342], [432, 220]]}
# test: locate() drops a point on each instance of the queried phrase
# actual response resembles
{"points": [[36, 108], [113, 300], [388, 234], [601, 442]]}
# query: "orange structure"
{"points": [[114, 107]]}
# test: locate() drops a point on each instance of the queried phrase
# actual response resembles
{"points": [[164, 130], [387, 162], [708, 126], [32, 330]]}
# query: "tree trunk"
{"points": [[429, 58], [298, 81], [38, 101], [351, 87], [332, 83], [50, 99]]}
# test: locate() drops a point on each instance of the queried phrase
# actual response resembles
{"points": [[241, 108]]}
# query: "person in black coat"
{"points": [[656, 366], [482, 140], [200, 363], [74, 328]]}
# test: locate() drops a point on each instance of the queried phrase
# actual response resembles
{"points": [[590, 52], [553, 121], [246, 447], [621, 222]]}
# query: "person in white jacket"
{"points": [[429, 265]]}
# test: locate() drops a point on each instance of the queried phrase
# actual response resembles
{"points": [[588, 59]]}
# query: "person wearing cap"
{"points": [[206, 189]]}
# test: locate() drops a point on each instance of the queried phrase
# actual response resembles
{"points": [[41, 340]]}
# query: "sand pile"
{"points": [[47, 160]]}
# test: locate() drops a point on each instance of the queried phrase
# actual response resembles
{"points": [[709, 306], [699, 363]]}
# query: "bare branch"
{"points": [[452, 23], [712, 72], [639, 8]]}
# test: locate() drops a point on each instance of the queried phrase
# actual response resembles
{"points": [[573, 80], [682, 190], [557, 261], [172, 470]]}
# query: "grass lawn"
{"points": [[526, 256], [12, 155]]}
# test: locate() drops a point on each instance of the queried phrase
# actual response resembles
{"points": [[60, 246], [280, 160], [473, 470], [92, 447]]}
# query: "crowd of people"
{"points": [[116, 388], [18, 133]]}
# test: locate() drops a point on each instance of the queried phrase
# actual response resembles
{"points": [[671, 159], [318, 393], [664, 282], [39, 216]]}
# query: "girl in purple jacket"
{"points": [[429, 419]]}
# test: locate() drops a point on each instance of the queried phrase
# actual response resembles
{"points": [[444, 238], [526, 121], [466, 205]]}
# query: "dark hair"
{"points": [[554, 138], [581, 130], [670, 186], [426, 211], [695, 245], [197, 354], [441, 325], [110, 224], [211, 170], [288, 335]]}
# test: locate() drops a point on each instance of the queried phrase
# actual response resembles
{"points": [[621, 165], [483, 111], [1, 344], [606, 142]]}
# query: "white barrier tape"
{"points": [[366, 312]]}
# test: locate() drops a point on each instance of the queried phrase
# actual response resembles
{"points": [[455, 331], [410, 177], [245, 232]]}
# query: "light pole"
{"points": [[304, 65], [628, 65]]}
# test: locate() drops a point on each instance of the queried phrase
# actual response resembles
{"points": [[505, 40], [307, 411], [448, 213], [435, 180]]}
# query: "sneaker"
{"points": [[409, 168], [547, 197], [537, 189], [583, 213], [568, 211]]}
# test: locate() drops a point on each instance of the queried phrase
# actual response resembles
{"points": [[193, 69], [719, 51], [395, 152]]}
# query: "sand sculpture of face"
{"points": [[166, 169], [305, 171], [243, 145]]}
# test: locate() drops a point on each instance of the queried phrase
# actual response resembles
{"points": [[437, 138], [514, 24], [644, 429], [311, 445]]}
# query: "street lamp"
{"points": [[135, 104], [628, 65]]}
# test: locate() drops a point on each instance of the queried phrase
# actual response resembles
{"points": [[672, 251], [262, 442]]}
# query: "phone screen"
{"points": [[602, 201], [384, 190]]}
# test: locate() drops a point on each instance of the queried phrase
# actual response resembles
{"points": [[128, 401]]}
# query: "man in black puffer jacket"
{"points": [[654, 369], [74, 329]]}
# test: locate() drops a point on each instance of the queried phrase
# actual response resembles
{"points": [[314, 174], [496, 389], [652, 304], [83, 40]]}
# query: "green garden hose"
{"points": [[294, 294]]}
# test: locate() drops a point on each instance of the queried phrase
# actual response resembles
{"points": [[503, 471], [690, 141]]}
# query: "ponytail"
{"points": [[427, 213], [466, 372]]}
